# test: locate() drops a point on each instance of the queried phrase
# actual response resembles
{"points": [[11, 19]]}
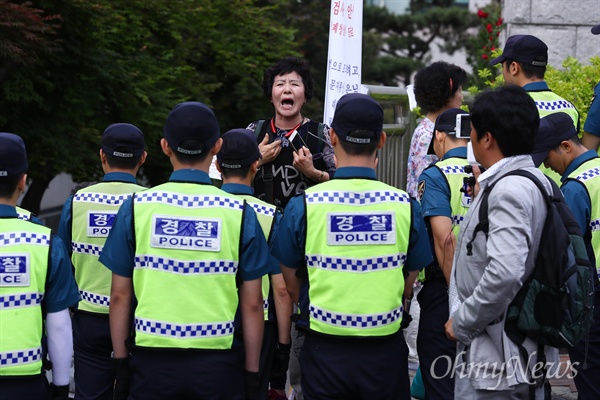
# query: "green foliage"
{"points": [[406, 40], [132, 61], [574, 82], [483, 45]]}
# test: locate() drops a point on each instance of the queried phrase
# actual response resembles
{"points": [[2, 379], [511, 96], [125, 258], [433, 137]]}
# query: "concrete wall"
{"points": [[564, 25]]}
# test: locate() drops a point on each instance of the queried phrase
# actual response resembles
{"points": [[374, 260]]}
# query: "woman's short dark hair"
{"points": [[436, 84], [511, 117], [285, 66]]}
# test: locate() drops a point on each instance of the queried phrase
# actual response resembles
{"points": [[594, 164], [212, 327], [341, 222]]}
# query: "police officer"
{"points": [[36, 284], [444, 206], [180, 248], [237, 161], [559, 148], [28, 216], [85, 222], [524, 60], [350, 251]]}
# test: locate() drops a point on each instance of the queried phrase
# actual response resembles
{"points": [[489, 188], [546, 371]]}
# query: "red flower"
{"points": [[485, 56], [484, 47], [498, 34], [489, 28], [482, 14], [493, 48], [491, 38], [499, 22]]}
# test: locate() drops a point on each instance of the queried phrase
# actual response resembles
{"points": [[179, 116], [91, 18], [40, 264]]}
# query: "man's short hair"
{"points": [[509, 114], [530, 71], [8, 185], [359, 149], [285, 66], [122, 163]]}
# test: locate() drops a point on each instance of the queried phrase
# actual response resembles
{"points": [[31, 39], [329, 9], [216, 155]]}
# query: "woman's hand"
{"points": [[303, 162], [269, 152]]}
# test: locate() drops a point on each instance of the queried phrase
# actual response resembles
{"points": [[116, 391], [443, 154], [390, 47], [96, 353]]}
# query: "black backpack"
{"points": [[555, 306]]}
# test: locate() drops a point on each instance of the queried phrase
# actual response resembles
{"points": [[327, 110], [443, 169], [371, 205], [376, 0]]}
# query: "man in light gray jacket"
{"points": [[488, 273]]}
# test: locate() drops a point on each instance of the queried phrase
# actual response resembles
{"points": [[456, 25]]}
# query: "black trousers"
{"points": [[175, 374], [94, 371], [24, 388], [355, 368], [436, 351], [587, 378], [266, 357]]}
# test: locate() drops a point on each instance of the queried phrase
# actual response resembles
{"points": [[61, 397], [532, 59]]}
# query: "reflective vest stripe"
{"points": [[86, 248], [357, 199], [589, 174], [265, 304], [595, 225], [261, 209], [101, 198], [28, 238], [366, 321], [182, 331], [457, 220], [555, 105], [21, 357], [20, 300], [186, 267], [453, 169], [355, 265], [95, 298], [189, 201]]}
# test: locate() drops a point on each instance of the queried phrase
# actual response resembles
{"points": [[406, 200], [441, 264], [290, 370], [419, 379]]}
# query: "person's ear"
{"points": [[166, 149], [216, 147], [382, 140], [333, 137]]}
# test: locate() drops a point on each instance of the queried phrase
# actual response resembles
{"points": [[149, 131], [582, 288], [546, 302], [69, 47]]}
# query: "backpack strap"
{"points": [[484, 224], [321, 138], [258, 128]]}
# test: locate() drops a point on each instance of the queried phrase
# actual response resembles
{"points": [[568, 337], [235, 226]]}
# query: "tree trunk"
{"points": [[33, 198]]}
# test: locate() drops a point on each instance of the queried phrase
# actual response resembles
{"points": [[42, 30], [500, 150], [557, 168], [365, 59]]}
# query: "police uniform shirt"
{"points": [[119, 251], [592, 122], [64, 226], [576, 195], [434, 191], [61, 290], [288, 243], [239, 189]]}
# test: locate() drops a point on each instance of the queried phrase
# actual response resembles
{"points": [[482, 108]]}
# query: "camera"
{"points": [[463, 126]]}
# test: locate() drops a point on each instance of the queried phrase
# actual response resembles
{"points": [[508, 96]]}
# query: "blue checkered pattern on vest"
{"points": [[14, 238], [22, 216], [589, 174], [189, 201], [183, 331], [262, 209], [355, 265], [357, 198], [101, 198], [186, 267], [355, 320], [19, 357], [86, 248], [595, 225], [453, 169], [265, 304], [457, 219], [553, 105], [95, 298], [20, 300]]}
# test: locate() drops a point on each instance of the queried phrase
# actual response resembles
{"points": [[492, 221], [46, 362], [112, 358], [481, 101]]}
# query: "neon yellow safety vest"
{"points": [[23, 214], [548, 102], [93, 211], [24, 254], [453, 170], [588, 174], [187, 243], [265, 213], [357, 237]]}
